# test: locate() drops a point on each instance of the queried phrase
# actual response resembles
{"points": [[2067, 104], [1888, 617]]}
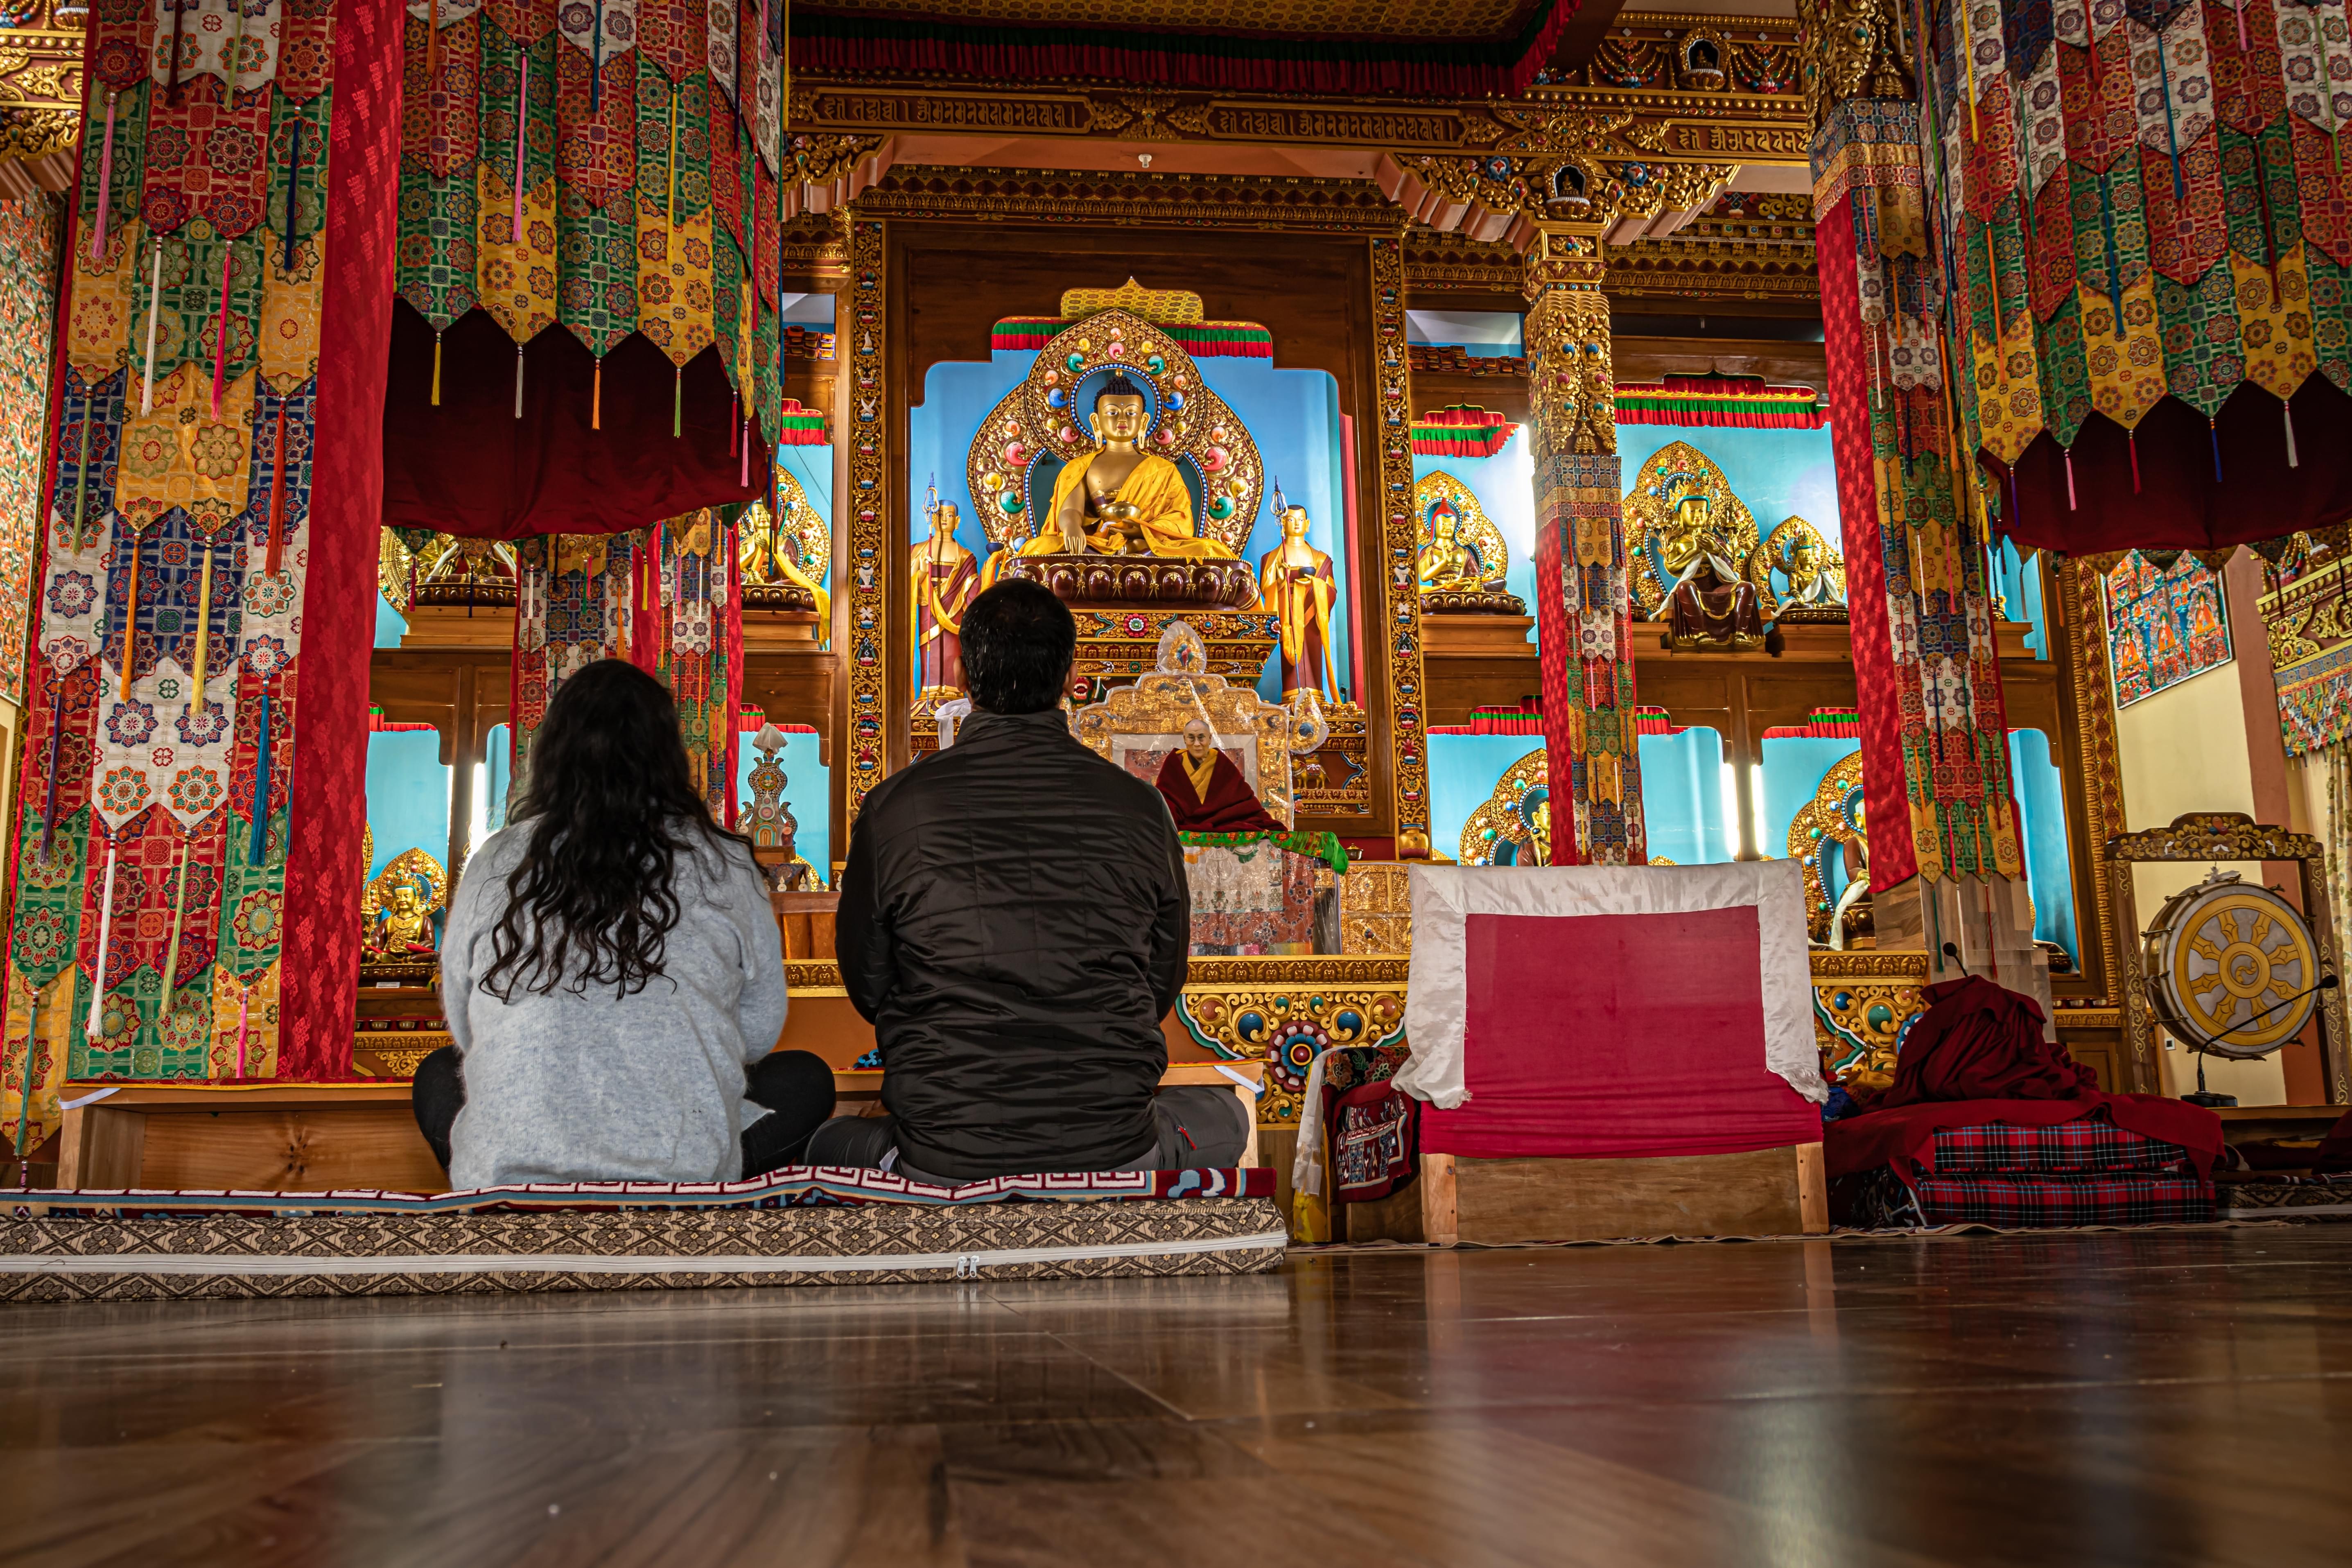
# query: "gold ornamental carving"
{"points": [[1567, 334], [1129, 197], [1828, 824], [869, 561], [1400, 592], [1514, 817], [1679, 505], [1862, 1001], [1854, 49]]}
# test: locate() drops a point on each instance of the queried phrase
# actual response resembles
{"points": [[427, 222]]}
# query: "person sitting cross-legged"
{"points": [[1015, 922], [613, 972]]}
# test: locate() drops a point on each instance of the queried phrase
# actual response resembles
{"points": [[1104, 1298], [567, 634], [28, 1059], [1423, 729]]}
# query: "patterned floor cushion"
{"points": [[2088, 1172], [2094, 1143], [1882, 1200], [2275, 1194], [796, 1228]]}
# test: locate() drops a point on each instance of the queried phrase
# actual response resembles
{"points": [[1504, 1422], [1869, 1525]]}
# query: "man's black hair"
{"points": [[1116, 385], [1018, 643]]}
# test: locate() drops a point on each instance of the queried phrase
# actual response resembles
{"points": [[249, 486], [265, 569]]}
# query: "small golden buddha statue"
{"points": [[1118, 499], [1449, 563], [1709, 601], [1810, 582], [1294, 580], [404, 925]]}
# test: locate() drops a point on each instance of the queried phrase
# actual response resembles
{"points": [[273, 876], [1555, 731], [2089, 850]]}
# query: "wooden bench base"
{"points": [[1768, 1192], [317, 1138]]}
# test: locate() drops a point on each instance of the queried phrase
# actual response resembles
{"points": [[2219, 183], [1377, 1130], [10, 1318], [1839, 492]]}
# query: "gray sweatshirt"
{"points": [[598, 1088]]}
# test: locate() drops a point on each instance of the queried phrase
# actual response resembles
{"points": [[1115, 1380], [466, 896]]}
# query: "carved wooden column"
{"points": [[1946, 866], [1585, 602]]}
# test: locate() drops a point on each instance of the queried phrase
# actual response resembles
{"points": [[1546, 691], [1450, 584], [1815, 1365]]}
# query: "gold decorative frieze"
{"points": [[1131, 198], [1658, 51]]}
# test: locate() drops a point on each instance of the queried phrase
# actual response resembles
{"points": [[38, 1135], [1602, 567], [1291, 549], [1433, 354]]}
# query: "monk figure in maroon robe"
{"points": [[1207, 793]]}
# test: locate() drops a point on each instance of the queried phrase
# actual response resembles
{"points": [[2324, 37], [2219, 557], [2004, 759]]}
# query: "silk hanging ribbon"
{"points": [[105, 941], [522, 118], [154, 313], [261, 749], [105, 183], [276, 540], [220, 345]]}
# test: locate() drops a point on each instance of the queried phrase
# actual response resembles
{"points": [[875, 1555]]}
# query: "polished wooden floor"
{"points": [[2181, 1398]]}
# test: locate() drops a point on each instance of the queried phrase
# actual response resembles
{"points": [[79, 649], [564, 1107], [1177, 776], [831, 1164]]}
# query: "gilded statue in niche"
{"points": [[1151, 460], [1512, 826], [1463, 562], [1295, 581], [1698, 564], [397, 906], [1812, 574], [793, 552], [942, 581]]}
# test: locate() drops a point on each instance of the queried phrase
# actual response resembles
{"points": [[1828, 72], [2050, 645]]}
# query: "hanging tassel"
{"points": [[432, 39], [743, 475], [1969, 66], [517, 381], [596, 62], [293, 176], [2131, 441], [171, 952], [105, 185], [522, 118], [276, 535], [130, 617], [2244, 43], [154, 312], [596, 397], [260, 839], [81, 475], [203, 626], [436, 369], [2070, 478], [2171, 131], [220, 346], [232, 62], [2214, 432], [733, 412], [677, 402], [105, 941], [2115, 278], [50, 803], [2286, 412]]}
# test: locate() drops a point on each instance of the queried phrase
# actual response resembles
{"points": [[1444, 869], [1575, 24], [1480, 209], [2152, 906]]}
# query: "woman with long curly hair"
{"points": [[612, 973]]}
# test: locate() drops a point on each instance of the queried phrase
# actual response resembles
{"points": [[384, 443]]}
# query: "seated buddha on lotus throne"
{"points": [[1118, 499]]}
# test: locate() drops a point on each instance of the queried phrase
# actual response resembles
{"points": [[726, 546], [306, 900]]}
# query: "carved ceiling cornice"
{"points": [[40, 103], [1132, 197], [1665, 125]]}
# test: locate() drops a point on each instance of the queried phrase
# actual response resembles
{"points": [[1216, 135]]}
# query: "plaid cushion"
{"points": [[2094, 1143], [2014, 1202]]}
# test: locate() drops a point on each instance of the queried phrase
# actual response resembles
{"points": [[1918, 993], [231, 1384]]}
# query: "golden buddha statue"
{"points": [[1118, 499], [1709, 601], [404, 925], [943, 581], [1294, 580], [1449, 563], [1816, 578]]}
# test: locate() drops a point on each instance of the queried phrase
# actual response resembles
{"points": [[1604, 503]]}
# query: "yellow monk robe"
{"points": [[1164, 507]]}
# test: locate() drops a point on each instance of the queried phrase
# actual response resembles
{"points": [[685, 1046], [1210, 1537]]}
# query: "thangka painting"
{"points": [[2163, 626]]}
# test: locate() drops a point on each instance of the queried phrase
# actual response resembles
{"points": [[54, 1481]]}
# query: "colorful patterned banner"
{"points": [[2140, 200], [153, 825], [572, 599], [1933, 730], [31, 235], [695, 644], [604, 167]]}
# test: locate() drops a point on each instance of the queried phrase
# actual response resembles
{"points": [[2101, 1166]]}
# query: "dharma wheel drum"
{"points": [[2230, 967]]}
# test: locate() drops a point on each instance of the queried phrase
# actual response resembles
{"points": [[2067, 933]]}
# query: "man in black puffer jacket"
{"points": [[1014, 923]]}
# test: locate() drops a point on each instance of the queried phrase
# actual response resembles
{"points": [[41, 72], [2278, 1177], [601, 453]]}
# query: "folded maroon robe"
{"points": [[1978, 1056], [1231, 807]]}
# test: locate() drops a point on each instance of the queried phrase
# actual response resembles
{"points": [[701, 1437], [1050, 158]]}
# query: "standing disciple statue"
{"points": [[1295, 580], [943, 578], [1118, 499], [1207, 793]]}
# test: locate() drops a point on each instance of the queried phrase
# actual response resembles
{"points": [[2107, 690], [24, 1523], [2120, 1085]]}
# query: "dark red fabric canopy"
{"points": [[471, 468], [2180, 501]]}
